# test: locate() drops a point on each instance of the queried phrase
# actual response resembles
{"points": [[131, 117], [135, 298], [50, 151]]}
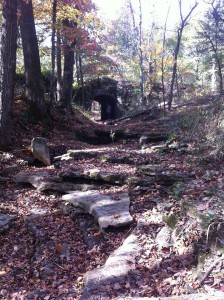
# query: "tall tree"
{"points": [[69, 60], [138, 37], [7, 69], [74, 18], [162, 61], [53, 50], [34, 87], [59, 66], [183, 23], [141, 54], [211, 35]]}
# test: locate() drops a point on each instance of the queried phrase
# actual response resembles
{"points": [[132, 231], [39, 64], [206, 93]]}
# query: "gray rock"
{"points": [[143, 140], [164, 237], [42, 181], [94, 174], [68, 181], [6, 221], [107, 211], [40, 150], [117, 160], [65, 187], [10, 169], [161, 179], [149, 170], [34, 178], [116, 267], [83, 154], [151, 138], [77, 154]]}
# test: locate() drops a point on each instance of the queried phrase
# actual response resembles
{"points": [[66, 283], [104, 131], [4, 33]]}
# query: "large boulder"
{"points": [[40, 150], [108, 211]]}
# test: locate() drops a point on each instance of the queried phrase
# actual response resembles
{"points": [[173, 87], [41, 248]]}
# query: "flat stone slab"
{"points": [[93, 174], [69, 181], [107, 210], [117, 160], [116, 267], [36, 178], [6, 221], [100, 282]]}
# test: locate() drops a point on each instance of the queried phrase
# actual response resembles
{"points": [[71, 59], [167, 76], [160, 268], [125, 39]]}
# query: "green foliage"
{"points": [[210, 35], [45, 59], [82, 110], [177, 190], [170, 220], [189, 126], [172, 137]]}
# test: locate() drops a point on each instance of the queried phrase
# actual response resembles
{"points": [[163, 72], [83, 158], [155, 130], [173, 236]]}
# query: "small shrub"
{"points": [[177, 190]]}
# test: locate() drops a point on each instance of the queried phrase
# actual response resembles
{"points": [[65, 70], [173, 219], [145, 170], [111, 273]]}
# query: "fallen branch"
{"points": [[130, 116], [211, 269]]}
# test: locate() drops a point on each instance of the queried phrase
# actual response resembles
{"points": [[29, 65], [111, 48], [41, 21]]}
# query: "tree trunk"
{"points": [[174, 72], [53, 51], [69, 60], [34, 87], [77, 68], [141, 55], [59, 69], [218, 64], [82, 81], [138, 38], [183, 23], [7, 69], [162, 63]]}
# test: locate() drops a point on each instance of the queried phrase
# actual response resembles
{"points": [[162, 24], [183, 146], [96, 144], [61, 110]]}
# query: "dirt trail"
{"points": [[50, 248]]}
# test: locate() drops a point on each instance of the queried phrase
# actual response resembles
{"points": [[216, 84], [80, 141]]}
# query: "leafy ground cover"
{"points": [[47, 256]]}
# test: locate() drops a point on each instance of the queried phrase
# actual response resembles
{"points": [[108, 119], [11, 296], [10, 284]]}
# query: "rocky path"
{"points": [[113, 222]]}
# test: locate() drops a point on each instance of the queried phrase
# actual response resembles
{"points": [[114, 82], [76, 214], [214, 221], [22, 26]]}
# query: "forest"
{"points": [[111, 150]]}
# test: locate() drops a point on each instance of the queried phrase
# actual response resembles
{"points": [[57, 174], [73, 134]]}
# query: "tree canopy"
{"points": [[75, 45]]}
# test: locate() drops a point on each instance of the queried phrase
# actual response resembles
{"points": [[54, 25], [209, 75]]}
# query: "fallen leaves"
{"points": [[55, 265]]}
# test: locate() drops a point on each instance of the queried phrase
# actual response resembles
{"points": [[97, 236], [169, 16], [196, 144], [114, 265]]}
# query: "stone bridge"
{"points": [[101, 96]]}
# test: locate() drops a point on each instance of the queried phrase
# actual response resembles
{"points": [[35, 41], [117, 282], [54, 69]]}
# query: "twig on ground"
{"points": [[208, 272]]}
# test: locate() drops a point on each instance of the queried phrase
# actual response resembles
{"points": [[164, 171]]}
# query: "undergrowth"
{"points": [[87, 113], [202, 126]]}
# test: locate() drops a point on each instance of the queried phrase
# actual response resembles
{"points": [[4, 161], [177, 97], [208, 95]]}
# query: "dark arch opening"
{"points": [[108, 106]]}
